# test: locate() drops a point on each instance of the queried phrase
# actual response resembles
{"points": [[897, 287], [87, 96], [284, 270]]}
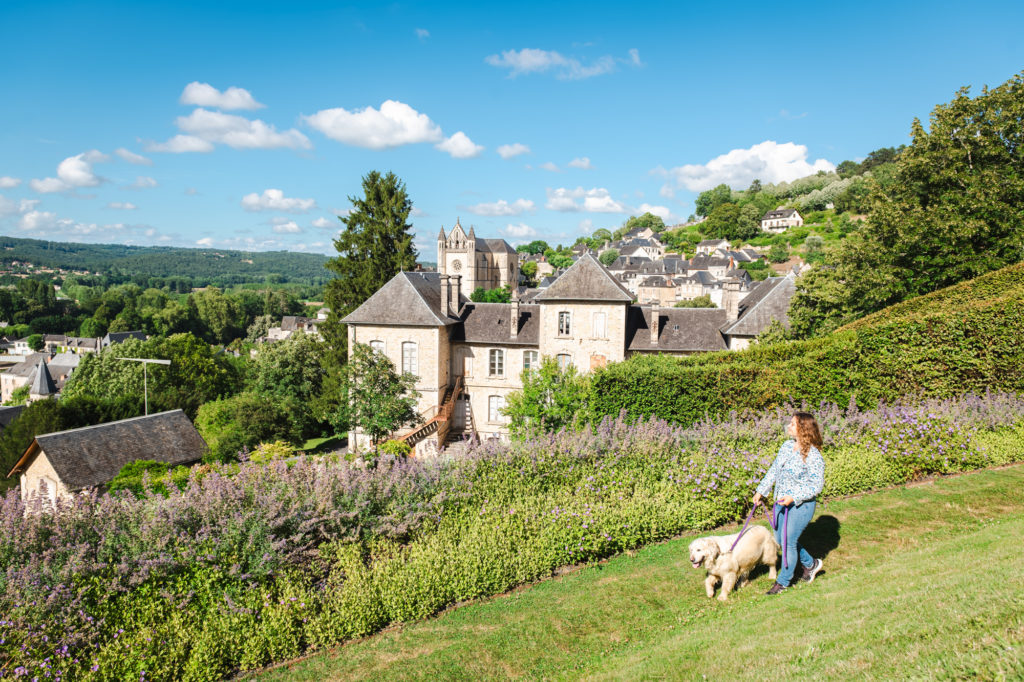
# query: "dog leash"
{"points": [[745, 524]]}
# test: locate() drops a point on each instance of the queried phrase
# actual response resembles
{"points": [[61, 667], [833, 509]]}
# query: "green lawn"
{"points": [[920, 582]]}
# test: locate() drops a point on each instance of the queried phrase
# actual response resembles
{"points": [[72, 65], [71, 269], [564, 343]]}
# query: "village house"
{"points": [[469, 356], [56, 466], [709, 246], [781, 219]]}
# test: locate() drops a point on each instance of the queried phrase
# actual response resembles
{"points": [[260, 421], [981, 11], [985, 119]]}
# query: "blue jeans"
{"points": [[799, 516]]}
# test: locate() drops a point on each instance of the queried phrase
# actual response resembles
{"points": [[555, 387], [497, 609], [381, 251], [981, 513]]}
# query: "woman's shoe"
{"points": [[775, 589], [809, 573]]}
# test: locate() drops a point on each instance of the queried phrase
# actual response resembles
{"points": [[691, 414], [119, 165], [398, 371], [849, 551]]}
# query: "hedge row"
{"points": [[959, 340]]}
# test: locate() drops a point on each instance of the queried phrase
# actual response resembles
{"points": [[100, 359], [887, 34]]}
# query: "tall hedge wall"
{"points": [[969, 337]]}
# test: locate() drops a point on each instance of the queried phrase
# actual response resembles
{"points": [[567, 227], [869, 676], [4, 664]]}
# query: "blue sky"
{"points": [[247, 125]]}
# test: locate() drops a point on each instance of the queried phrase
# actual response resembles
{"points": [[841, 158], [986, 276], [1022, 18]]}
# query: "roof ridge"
{"points": [[119, 421]]}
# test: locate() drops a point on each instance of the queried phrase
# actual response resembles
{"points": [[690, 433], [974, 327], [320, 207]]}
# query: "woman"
{"points": [[798, 474]]}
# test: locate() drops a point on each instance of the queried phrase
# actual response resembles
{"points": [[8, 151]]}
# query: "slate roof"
{"points": [[9, 414], [93, 455], [494, 246], [42, 382], [83, 342], [769, 300], [713, 242], [657, 281], [408, 299], [703, 262], [120, 337], [780, 214], [27, 367], [679, 329], [492, 322], [586, 280]]}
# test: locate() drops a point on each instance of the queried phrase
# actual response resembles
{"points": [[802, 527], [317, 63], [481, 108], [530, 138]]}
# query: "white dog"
{"points": [[757, 546]]}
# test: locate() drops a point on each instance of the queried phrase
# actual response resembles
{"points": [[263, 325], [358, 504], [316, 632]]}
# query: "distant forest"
{"points": [[219, 267]]}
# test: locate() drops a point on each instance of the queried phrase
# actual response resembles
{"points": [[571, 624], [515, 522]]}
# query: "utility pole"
{"points": [[145, 376]]}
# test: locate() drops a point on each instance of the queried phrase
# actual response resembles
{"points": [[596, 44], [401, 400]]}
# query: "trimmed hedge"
{"points": [[963, 339]]}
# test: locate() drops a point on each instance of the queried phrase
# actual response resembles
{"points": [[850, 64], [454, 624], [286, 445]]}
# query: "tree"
{"points": [[534, 247], [375, 245], [221, 315], [749, 222], [953, 210], [814, 247], [291, 369], [724, 223], [778, 254], [698, 302], [379, 400], [602, 235], [755, 187], [548, 401], [529, 270], [646, 220], [39, 417], [559, 261], [500, 295], [244, 421], [608, 257], [713, 198], [35, 342], [259, 328], [847, 169]]}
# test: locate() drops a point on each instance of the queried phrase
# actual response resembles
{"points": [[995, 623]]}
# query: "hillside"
{"points": [[203, 266], [646, 617], [961, 339]]}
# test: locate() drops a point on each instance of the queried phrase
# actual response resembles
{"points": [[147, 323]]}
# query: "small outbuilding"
{"points": [[58, 465]]}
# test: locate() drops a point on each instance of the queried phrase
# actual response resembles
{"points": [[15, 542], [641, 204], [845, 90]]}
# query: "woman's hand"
{"points": [[786, 500], [757, 499]]}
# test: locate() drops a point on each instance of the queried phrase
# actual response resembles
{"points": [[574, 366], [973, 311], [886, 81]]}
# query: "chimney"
{"points": [[456, 294], [731, 299], [514, 327], [445, 297], [655, 323]]}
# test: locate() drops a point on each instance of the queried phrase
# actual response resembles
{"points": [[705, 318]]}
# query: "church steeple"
{"points": [[472, 233], [441, 236]]}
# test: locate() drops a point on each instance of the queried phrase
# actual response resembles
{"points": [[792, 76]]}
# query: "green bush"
{"points": [[397, 448], [272, 452], [159, 475], [245, 421]]}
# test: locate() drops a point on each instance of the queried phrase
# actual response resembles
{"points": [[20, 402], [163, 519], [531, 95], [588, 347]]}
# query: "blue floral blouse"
{"points": [[791, 475]]}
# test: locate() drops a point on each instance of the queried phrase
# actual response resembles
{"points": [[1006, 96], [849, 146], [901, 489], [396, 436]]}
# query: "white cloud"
{"points": [[582, 162], [530, 60], [7, 182], [460, 146], [9, 207], [239, 132], [205, 95], [393, 125], [324, 223], [507, 151], [287, 227], [422, 33], [132, 157], [503, 208], [122, 206], [596, 200], [205, 241], [181, 144], [662, 212], [275, 200], [73, 172], [144, 182], [768, 161], [37, 220], [519, 230], [549, 166]]}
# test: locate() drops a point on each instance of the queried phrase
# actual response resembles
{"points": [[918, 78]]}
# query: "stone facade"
{"points": [[41, 473], [482, 263]]}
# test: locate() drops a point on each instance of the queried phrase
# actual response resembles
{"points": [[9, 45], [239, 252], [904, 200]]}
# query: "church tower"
{"points": [[456, 255]]}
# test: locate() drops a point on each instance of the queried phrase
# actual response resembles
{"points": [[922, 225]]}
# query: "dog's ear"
{"points": [[711, 550]]}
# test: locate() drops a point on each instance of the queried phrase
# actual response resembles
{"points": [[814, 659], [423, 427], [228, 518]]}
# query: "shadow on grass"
{"points": [[821, 536]]}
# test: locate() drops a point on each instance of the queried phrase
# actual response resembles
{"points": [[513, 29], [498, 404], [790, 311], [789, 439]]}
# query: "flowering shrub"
{"points": [[242, 566]]}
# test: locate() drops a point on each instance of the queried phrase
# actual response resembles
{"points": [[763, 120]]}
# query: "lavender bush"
{"points": [[250, 564]]}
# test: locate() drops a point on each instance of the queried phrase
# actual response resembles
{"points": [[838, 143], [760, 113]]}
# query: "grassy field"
{"points": [[925, 582]]}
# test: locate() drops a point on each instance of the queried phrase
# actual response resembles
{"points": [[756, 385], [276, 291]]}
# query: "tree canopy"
{"points": [[954, 210]]}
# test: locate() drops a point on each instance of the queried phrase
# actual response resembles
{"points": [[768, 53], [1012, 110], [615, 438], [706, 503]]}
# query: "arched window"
{"points": [[410, 362], [563, 360], [377, 346]]}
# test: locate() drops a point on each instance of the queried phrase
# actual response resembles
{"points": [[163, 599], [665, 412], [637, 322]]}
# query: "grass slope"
{"points": [[924, 581]]}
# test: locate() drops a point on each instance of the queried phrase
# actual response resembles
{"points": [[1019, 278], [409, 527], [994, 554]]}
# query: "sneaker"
{"points": [[775, 589], [809, 573]]}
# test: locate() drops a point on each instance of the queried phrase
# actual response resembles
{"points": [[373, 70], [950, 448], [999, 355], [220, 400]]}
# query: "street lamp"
{"points": [[145, 378]]}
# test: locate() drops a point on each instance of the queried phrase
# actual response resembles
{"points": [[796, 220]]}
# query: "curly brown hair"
{"points": [[807, 432]]}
